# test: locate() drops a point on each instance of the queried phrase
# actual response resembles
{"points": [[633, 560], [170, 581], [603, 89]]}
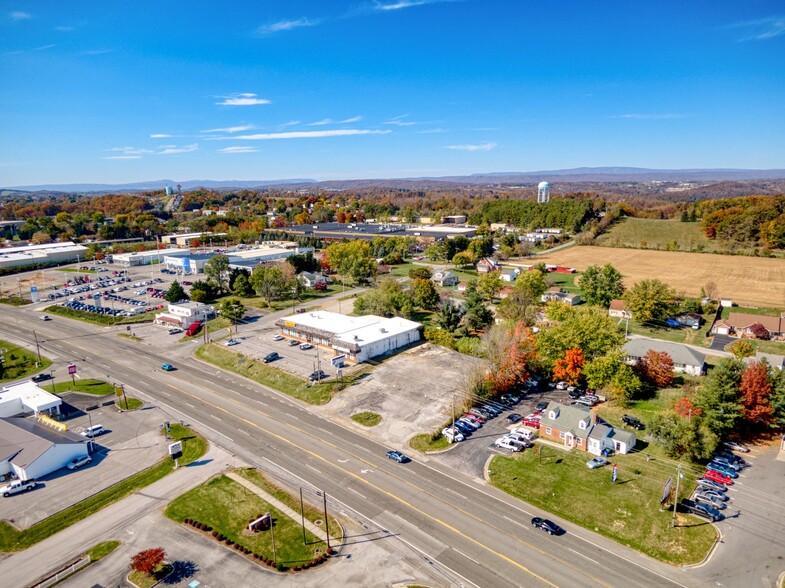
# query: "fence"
{"points": [[64, 573]]}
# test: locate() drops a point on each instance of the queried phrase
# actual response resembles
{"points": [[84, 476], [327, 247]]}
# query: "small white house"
{"points": [[509, 275], [30, 449], [310, 279], [184, 314]]}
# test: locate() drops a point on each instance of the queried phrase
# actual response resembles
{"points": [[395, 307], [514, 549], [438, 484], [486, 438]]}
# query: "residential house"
{"points": [[445, 278], [556, 294], [576, 427], [505, 292], [618, 309], [310, 279], [486, 264], [184, 314], [686, 360], [741, 324], [774, 360], [509, 274], [690, 319]]}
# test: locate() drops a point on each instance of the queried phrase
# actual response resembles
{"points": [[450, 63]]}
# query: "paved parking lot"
{"points": [[132, 443]]}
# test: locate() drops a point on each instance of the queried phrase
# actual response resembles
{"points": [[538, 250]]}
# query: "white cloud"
{"points": [[18, 16], [400, 4], [237, 129], [431, 131], [123, 157], [97, 51], [399, 121], [160, 136], [291, 123], [44, 47], [319, 123], [353, 119], [127, 151], [285, 25], [173, 149], [242, 149], [649, 116], [761, 29], [309, 134], [486, 146], [245, 99]]}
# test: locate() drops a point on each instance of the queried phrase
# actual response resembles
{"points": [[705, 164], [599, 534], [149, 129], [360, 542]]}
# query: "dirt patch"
{"points": [[413, 392], [753, 281]]}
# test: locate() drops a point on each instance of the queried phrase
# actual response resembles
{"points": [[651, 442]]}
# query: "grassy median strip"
{"points": [[425, 442], [13, 539], [272, 377], [367, 418], [87, 386], [627, 511]]}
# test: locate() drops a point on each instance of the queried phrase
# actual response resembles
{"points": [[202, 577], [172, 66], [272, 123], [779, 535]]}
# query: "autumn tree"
{"points": [[610, 373], [462, 259], [587, 328], [534, 281], [148, 560], [755, 388], [420, 272], [425, 294], [600, 285], [568, 368], [742, 348], [519, 305], [511, 350], [650, 300], [657, 368], [686, 409], [352, 258]]}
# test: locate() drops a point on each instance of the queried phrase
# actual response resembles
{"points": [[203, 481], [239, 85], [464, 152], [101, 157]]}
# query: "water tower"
{"points": [[543, 192]]}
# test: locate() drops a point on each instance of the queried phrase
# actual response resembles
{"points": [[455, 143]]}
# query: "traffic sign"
{"points": [[71, 369]]}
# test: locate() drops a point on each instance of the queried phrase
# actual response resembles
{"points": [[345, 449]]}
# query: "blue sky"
{"points": [[121, 91]]}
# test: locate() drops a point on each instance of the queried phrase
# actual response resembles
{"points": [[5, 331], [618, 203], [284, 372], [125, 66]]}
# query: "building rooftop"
{"points": [[353, 330], [30, 395], [680, 354]]}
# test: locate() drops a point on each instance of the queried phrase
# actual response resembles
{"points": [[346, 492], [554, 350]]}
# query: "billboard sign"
{"points": [[34, 294], [71, 369], [338, 360], [666, 490], [176, 449]]}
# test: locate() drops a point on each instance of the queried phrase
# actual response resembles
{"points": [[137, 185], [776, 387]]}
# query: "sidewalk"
{"points": [[110, 523], [280, 506]]}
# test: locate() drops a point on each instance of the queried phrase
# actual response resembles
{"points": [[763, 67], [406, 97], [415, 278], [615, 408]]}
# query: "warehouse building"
{"points": [[65, 252], [188, 239], [147, 257], [27, 398], [369, 231], [32, 449], [357, 337]]}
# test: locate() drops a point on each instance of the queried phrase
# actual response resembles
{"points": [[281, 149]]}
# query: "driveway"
{"points": [[720, 341]]}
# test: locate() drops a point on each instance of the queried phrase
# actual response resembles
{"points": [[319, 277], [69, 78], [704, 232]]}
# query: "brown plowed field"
{"points": [[749, 281]]}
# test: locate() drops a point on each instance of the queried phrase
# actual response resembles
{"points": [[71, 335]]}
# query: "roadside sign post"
{"points": [[72, 372], [176, 452]]}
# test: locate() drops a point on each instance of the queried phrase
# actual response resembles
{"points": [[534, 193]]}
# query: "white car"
{"points": [[562, 385], [45, 317], [595, 463], [278, 337], [231, 342], [305, 346], [453, 436], [507, 443], [78, 462]]}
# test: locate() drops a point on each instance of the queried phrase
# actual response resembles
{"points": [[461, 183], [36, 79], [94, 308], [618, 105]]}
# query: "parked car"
{"points": [[585, 401], [42, 377], [562, 385], [736, 446], [481, 412], [17, 486], [597, 462], [723, 469], [278, 337], [518, 438], [541, 406], [317, 375], [293, 343], [701, 509], [463, 428], [78, 462], [531, 422], [548, 526], [397, 456], [575, 393], [511, 398], [710, 485], [718, 477], [305, 346], [272, 356], [734, 465], [633, 422], [731, 457], [93, 431], [167, 367], [513, 418], [469, 423], [711, 496], [507, 443], [232, 342], [175, 330], [453, 435], [478, 420], [492, 409]]}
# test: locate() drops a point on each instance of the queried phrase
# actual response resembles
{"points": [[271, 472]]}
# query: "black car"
{"points": [[701, 509], [633, 422], [317, 375], [548, 526], [41, 377], [513, 418], [271, 357], [575, 394], [510, 398], [541, 406]]}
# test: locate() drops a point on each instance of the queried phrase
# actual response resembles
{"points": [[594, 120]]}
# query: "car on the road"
{"points": [[507, 443], [718, 477], [513, 418], [272, 356], [78, 462], [736, 446], [45, 317], [597, 462], [305, 346], [167, 367], [42, 377], [278, 337], [531, 422], [317, 375], [548, 526], [723, 469], [710, 485], [17, 486], [541, 406], [701, 509], [231, 342], [397, 456], [633, 422], [453, 435]]}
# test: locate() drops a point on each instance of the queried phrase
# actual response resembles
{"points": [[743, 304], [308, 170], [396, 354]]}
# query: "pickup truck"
{"points": [[17, 486]]}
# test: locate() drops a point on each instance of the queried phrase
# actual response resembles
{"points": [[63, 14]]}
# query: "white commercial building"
{"points": [[147, 257], [184, 314], [358, 337], [31, 449], [187, 239], [250, 258], [47, 253], [27, 398]]}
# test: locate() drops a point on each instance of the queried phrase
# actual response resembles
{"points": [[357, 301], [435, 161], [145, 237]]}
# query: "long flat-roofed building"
{"points": [[358, 337], [47, 253]]}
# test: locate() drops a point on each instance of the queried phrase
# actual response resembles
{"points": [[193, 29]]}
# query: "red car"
{"points": [[474, 418], [718, 477], [529, 422]]}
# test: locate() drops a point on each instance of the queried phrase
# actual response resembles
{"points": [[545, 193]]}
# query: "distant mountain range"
{"points": [[574, 175]]}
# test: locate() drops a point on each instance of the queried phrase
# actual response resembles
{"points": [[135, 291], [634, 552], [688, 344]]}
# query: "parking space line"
{"points": [[244, 432]]}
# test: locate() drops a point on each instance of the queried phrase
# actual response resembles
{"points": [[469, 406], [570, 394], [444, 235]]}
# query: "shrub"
{"points": [[215, 534]]}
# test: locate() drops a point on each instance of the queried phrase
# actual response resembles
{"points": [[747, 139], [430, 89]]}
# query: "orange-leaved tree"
{"points": [[569, 367], [657, 367], [514, 350], [755, 388], [146, 561]]}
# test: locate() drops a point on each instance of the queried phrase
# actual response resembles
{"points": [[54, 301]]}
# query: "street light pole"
{"points": [[37, 347]]}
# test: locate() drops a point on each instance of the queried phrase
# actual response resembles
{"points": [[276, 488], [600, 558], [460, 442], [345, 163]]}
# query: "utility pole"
{"points": [[318, 363], [676, 499], [326, 521], [37, 347], [272, 536], [302, 514], [453, 416]]}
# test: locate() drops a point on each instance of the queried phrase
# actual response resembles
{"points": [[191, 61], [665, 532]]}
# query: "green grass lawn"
{"points": [[568, 282], [12, 539], [643, 233], [677, 335], [19, 362], [129, 404], [87, 386], [627, 511], [15, 301], [227, 507], [99, 319], [143, 580], [73, 270], [367, 418], [750, 310], [272, 377], [425, 442], [777, 347], [100, 551]]}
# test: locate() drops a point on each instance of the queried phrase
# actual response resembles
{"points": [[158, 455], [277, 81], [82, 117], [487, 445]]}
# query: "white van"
{"points": [[93, 431], [528, 434]]}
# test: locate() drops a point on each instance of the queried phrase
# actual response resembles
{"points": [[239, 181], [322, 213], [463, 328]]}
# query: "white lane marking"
{"points": [[217, 418], [313, 468], [585, 556], [244, 432], [358, 493], [516, 522], [466, 556]]}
